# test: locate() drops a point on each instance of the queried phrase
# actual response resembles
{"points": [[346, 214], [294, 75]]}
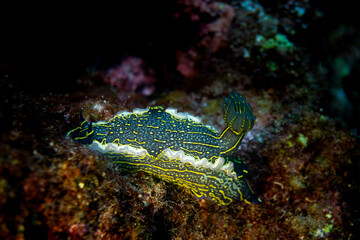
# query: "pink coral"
{"points": [[213, 33], [186, 62], [132, 74]]}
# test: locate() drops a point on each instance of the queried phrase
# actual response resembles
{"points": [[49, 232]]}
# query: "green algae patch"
{"points": [[297, 182], [302, 139], [279, 42]]}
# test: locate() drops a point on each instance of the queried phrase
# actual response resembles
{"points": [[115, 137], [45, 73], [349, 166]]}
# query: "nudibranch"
{"points": [[178, 148]]}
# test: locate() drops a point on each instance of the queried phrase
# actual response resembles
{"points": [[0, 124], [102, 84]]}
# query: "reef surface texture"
{"points": [[291, 60]]}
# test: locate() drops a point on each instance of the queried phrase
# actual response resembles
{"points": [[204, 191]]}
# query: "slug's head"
{"points": [[83, 134], [238, 114]]}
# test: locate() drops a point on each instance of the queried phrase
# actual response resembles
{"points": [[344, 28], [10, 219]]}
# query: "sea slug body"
{"points": [[178, 148]]}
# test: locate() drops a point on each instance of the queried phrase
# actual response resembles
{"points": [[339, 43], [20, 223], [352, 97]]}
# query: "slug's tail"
{"points": [[238, 114], [248, 194]]}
